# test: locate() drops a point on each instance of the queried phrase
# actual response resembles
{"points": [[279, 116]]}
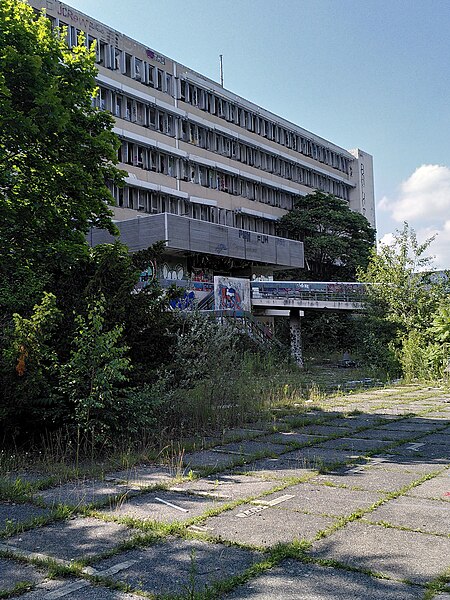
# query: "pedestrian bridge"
{"points": [[307, 294]]}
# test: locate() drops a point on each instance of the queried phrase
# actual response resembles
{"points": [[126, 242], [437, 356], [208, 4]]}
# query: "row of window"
{"points": [[233, 113], [163, 122], [161, 162], [155, 202], [112, 57]]}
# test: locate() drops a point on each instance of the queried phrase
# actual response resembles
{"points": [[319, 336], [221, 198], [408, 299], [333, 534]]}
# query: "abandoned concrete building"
{"points": [[208, 171]]}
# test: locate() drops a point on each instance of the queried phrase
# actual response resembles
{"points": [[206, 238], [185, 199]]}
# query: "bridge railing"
{"points": [[333, 291]]}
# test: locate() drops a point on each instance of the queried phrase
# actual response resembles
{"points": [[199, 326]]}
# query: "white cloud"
{"points": [[424, 196], [424, 202]]}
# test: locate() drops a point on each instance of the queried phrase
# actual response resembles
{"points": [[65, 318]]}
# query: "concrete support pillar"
{"points": [[296, 336]]}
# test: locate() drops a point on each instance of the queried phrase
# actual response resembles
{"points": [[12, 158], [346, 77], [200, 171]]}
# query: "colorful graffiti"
{"points": [[146, 277], [172, 272], [186, 302], [232, 293]]}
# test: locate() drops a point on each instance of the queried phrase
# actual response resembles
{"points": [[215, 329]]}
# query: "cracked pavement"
{"points": [[348, 498]]}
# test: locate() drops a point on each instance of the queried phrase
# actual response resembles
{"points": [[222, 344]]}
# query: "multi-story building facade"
{"points": [[208, 171]]}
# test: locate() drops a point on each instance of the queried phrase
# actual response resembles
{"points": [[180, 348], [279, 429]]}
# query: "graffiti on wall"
{"points": [[172, 272], [146, 277], [232, 293], [186, 302]]}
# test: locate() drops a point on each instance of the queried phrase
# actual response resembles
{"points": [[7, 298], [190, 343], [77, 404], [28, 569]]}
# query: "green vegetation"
{"points": [[406, 327], [337, 240], [88, 363]]}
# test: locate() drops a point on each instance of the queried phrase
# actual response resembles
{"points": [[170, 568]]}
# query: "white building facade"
{"points": [[208, 171]]}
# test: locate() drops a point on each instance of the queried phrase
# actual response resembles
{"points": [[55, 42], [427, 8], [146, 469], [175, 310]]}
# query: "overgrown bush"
{"points": [[407, 322], [96, 370], [212, 381]]}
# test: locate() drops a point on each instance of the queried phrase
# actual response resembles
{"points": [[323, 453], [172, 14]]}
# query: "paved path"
{"points": [[348, 500]]}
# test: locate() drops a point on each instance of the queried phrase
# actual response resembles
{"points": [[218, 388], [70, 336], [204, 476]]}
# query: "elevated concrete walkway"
{"points": [[287, 295]]}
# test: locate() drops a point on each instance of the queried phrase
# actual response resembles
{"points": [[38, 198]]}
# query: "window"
{"points": [[128, 109], [101, 50], [151, 117], [183, 90], [117, 64], [151, 75], [170, 126], [168, 84], [138, 70], [127, 64], [118, 106]]}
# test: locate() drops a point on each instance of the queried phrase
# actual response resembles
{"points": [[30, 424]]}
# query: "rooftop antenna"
{"points": [[221, 69]]}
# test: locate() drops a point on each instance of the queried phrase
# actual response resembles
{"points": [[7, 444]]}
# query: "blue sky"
{"points": [[373, 74]]}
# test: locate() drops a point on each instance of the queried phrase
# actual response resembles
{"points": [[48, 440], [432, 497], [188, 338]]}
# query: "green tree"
{"points": [[56, 153], [28, 368], [337, 240], [403, 289], [97, 368], [402, 301]]}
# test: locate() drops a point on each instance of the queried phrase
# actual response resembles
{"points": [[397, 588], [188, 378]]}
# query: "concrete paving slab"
{"points": [[391, 412], [71, 539], [142, 476], [320, 499], [439, 415], [414, 424], [249, 447], [164, 506], [227, 487], [420, 449], [437, 488], [294, 581], [13, 514], [292, 437], [13, 573], [242, 433], [409, 463], [178, 566], [265, 526], [387, 434], [430, 516], [357, 421], [208, 458], [356, 444], [438, 438], [325, 430], [315, 457], [84, 492], [277, 468], [77, 589], [370, 479], [416, 557]]}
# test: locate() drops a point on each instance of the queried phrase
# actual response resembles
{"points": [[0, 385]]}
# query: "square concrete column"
{"points": [[296, 336]]}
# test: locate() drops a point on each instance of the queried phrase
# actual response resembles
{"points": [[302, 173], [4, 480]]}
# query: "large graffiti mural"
{"points": [[232, 293]]}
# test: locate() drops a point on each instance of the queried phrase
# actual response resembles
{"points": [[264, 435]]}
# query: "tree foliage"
{"points": [[337, 240], [402, 288], [56, 150], [406, 320], [98, 364]]}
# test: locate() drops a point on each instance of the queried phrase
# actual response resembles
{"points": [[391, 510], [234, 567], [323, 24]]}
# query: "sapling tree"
{"points": [[402, 302]]}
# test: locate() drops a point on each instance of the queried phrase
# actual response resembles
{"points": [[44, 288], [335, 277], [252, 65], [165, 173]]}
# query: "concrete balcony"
{"points": [[183, 234]]}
